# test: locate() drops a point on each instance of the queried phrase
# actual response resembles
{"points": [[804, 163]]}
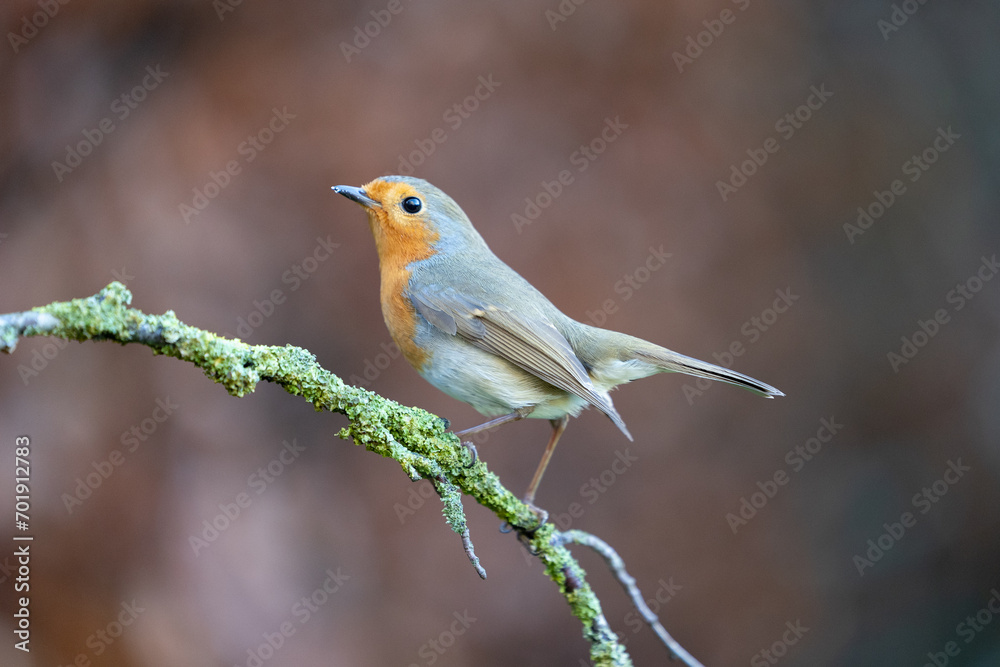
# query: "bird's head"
{"points": [[410, 217]]}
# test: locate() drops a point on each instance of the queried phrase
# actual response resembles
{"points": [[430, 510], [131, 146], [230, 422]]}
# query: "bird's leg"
{"points": [[558, 426], [520, 413]]}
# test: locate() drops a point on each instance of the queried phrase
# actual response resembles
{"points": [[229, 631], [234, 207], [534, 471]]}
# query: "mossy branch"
{"points": [[414, 438]]}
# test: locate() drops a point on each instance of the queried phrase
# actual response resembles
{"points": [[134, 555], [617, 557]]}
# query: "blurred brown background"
{"points": [[143, 105]]}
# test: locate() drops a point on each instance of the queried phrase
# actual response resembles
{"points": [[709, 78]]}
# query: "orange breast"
{"points": [[396, 252]]}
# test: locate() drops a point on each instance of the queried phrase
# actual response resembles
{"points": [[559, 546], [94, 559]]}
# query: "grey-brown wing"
{"points": [[534, 345]]}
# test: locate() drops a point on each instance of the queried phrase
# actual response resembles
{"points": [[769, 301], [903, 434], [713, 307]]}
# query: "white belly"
{"points": [[494, 386]]}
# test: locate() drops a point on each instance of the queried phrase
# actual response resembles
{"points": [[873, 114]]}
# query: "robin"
{"points": [[479, 332]]}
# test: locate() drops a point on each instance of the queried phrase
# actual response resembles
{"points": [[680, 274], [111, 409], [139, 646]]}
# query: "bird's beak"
{"points": [[356, 194]]}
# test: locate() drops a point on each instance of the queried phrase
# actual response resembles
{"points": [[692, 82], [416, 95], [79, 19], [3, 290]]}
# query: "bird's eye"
{"points": [[412, 205]]}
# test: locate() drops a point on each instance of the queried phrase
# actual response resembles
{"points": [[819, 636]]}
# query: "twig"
{"points": [[617, 566], [452, 497], [470, 551]]}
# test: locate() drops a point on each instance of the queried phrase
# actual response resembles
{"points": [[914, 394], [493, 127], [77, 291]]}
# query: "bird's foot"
{"points": [[541, 516], [473, 454]]}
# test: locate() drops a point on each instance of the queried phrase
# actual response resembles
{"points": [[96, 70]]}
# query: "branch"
{"points": [[412, 437]]}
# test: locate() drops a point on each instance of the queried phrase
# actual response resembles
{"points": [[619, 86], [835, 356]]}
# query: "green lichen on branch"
{"points": [[565, 571], [414, 438]]}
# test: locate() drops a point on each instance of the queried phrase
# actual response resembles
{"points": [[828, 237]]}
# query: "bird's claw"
{"points": [[473, 454]]}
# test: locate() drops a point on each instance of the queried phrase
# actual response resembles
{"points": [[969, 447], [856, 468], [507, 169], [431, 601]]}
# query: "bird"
{"points": [[475, 329]]}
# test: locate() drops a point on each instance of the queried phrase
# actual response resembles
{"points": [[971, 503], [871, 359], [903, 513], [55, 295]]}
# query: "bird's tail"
{"points": [[669, 361]]}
